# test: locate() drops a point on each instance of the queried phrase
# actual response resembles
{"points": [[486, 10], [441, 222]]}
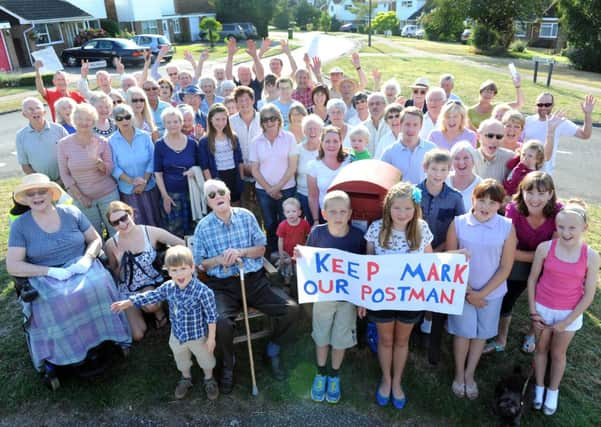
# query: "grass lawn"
{"points": [[468, 79], [144, 382]]}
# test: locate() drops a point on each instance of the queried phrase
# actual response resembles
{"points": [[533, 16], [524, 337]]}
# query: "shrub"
{"points": [[89, 34], [20, 80], [586, 58], [110, 26], [335, 24], [518, 46], [487, 40], [325, 22]]}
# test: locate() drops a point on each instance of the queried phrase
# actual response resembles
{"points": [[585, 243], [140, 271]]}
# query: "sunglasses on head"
{"points": [[419, 91], [148, 89], [213, 194], [121, 118], [138, 100], [269, 119], [40, 192], [454, 102], [544, 104], [494, 135], [122, 218]]}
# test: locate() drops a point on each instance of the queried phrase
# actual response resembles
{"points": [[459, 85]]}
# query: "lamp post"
{"points": [[369, 24]]}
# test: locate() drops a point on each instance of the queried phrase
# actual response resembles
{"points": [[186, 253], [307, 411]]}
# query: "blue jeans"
{"points": [[304, 201], [273, 214]]}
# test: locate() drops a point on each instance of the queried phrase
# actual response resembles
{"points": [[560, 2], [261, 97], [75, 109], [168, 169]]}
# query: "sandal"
{"points": [[458, 389], [493, 347], [471, 391], [529, 344]]}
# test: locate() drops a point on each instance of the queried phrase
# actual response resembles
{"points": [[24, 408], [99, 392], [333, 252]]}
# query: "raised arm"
{"points": [[251, 50], [588, 105], [229, 63], [82, 85], [356, 60], [286, 50], [553, 122], [39, 83], [154, 70], [519, 95], [204, 55], [265, 45]]}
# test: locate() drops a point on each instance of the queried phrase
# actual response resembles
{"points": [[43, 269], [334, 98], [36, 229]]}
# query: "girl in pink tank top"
{"points": [[558, 297]]}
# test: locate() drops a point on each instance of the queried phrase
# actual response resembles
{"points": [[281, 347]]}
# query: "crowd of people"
{"points": [[242, 164]]}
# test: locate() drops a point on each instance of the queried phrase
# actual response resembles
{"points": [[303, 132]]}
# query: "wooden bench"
{"points": [[253, 314]]}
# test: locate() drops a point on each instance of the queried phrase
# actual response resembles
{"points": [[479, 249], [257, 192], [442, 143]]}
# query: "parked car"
{"points": [[234, 30], [154, 42], [409, 30], [420, 34], [348, 28], [465, 36], [249, 29], [104, 49]]}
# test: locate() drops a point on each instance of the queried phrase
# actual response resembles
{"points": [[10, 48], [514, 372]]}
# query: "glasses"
{"points": [[173, 74], [419, 91], [117, 101], [393, 116], [494, 135], [544, 104], [269, 119], [121, 118], [138, 100], [213, 194], [40, 192], [148, 89], [165, 87], [123, 218]]}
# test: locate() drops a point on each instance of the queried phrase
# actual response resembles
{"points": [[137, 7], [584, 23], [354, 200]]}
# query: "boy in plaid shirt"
{"points": [[193, 318]]}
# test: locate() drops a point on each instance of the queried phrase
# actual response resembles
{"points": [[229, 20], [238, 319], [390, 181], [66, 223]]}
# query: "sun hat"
{"points": [[193, 90], [488, 84], [421, 82], [336, 70], [36, 180]]}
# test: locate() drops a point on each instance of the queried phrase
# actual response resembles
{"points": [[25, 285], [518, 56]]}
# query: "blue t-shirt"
{"points": [[51, 249], [320, 237], [174, 164]]}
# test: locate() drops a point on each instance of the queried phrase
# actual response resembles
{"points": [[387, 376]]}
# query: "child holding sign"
{"points": [[490, 240], [559, 296], [333, 321], [401, 230]]}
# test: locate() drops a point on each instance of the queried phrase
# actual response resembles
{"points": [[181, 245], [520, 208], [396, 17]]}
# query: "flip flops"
{"points": [[493, 347]]}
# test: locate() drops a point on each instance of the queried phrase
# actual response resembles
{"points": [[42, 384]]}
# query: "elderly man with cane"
{"points": [[222, 238]]}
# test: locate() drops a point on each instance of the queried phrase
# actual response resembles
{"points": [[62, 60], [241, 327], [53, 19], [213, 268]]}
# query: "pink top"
{"points": [[273, 157], [437, 137], [78, 165], [561, 285], [528, 237]]}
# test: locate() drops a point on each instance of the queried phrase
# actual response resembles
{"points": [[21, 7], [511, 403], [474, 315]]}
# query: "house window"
{"points": [[407, 3], [48, 34], [176, 27], [520, 28], [548, 30], [348, 7], [150, 27]]}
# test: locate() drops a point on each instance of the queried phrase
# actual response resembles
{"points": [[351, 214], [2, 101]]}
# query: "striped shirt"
{"points": [[191, 309]]}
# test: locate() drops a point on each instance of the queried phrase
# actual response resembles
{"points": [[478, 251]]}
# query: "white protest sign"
{"points": [[433, 282], [313, 49], [48, 57]]}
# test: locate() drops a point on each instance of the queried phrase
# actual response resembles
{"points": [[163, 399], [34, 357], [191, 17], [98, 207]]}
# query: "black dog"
{"points": [[510, 394]]}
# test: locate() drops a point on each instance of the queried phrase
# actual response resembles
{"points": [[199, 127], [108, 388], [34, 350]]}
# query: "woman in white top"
{"points": [[392, 117], [336, 110], [312, 126], [462, 177], [322, 171]]}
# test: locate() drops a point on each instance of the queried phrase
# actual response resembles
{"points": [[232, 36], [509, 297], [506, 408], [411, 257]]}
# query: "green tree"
{"points": [[582, 21], [259, 12], [385, 21], [498, 17], [325, 22], [361, 10], [445, 20], [210, 28], [282, 16], [304, 14]]}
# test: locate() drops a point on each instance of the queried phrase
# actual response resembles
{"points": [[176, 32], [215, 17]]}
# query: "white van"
{"points": [[409, 30]]}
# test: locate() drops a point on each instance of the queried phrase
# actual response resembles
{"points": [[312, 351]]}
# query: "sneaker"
{"points": [[211, 388], [318, 389], [333, 392], [183, 385]]}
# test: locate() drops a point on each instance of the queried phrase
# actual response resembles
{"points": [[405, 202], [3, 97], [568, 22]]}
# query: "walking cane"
{"points": [[255, 390]]}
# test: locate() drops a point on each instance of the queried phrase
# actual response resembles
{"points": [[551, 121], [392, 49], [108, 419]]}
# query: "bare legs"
{"points": [[467, 354], [393, 349]]}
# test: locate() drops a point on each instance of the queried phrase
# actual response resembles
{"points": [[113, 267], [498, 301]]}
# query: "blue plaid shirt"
{"points": [[190, 309], [213, 236]]}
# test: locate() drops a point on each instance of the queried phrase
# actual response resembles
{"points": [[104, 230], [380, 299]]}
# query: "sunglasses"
{"points": [[121, 118], [138, 100], [393, 116], [544, 104], [40, 192], [117, 101], [148, 89], [269, 119], [213, 194], [123, 218], [419, 91], [494, 135]]}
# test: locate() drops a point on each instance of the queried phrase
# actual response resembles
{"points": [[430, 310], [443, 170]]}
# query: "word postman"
{"points": [[433, 282]]}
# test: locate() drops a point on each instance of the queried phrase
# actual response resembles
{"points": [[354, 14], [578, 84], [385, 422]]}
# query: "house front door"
{"points": [[166, 29], [4, 60]]}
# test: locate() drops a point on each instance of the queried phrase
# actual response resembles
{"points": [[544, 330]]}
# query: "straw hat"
{"points": [[488, 84], [336, 70], [421, 82], [36, 180]]}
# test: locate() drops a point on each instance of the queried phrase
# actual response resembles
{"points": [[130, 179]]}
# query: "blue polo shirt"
{"points": [[440, 210], [408, 161]]}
